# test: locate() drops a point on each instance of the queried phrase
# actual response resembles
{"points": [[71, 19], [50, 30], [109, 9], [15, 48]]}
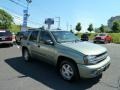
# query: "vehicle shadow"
{"points": [[46, 74], [4, 46]]}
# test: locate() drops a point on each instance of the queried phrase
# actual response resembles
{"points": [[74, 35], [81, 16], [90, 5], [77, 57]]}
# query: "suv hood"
{"points": [[86, 48]]}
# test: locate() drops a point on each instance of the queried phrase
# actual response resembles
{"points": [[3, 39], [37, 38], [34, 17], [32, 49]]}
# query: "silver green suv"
{"points": [[72, 57]]}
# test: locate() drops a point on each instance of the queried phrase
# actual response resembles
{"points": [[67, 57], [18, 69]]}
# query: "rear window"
{"points": [[5, 33]]}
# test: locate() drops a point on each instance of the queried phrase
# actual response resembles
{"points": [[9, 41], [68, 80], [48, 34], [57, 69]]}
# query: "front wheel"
{"points": [[105, 42], [94, 41], [69, 71]]}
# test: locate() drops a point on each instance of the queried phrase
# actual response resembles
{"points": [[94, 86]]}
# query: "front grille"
{"points": [[98, 38], [101, 57]]}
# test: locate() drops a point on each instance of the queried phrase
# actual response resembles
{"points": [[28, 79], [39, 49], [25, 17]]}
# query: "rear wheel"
{"points": [[11, 44], [26, 55], [69, 71]]}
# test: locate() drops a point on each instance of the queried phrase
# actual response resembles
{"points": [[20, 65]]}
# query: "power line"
{"points": [[21, 5], [19, 16], [32, 22], [21, 1], [12, 11]]}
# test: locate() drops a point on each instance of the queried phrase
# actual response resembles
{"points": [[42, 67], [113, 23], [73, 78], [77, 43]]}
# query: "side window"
{"points": [[26, 34], [33, 36], [45, 36]]}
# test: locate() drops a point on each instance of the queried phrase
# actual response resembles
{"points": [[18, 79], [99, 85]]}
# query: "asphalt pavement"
{"points": [[15, 74]]}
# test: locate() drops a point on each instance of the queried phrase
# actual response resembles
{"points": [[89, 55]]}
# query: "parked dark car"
{"points": [[84, 37], [6, 37]]}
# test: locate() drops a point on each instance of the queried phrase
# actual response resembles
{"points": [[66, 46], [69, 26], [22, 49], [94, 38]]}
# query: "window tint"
{"points": [[44, 36], [5, 33], [33, 36], [26, 34]]}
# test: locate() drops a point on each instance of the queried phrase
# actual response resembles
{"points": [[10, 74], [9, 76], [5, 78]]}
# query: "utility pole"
{"points": [[58, 22], [70, 27], [26, 15], [67, 25]]}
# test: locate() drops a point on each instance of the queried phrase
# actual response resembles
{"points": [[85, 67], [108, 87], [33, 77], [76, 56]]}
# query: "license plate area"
{"points": [[104, 68], [3, 38]]}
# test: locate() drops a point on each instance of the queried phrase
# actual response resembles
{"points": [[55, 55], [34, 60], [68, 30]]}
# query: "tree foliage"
{"points": [[5, 19], [90, 28], [78, 27], [102, 28], [71, 31], [116, 27], [15, 28]]}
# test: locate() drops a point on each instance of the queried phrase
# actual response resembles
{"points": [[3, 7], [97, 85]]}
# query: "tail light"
{"points": [[9, 38]]}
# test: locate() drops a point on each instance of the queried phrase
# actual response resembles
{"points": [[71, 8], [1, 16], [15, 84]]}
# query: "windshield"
{"points": [[102, 34], [64, 36]]}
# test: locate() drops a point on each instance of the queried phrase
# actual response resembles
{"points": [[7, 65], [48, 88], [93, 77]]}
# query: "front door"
{"points": [[45, 50]]}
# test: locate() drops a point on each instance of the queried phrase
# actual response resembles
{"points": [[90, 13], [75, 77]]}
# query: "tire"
{"points": [[11, 45], [69, 71], [26, 55], [109, 41]]}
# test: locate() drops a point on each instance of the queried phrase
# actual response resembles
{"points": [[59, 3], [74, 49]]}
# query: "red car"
{"points": [[6, 37], [103, 37]]}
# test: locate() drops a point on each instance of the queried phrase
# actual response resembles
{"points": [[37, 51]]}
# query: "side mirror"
{"points": [[49, 42]]}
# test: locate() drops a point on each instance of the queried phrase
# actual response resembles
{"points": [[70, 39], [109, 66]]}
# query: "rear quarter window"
{"points": [[25, 35]]}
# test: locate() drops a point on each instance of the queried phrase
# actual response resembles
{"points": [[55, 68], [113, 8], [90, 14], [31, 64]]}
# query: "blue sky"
{"points": [[96, 12]]}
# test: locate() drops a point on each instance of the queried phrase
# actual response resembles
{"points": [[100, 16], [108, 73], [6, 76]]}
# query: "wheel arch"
{"points": [[62, 58]]}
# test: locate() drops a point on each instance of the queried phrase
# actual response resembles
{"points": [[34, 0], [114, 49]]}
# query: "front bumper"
{"points": [[91, 71], [101, 40]]}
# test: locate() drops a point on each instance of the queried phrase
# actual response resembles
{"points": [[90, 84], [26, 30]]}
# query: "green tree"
{"points": [[78, 27], [5, 20], [102, 28], [71, 31], [90, 28], [116, 27], [15, 28]]}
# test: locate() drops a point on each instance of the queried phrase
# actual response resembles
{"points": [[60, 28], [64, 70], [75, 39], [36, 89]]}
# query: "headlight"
{"points": [[90, 59]]}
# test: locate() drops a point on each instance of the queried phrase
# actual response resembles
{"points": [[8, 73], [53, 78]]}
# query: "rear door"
{"points": [[32, 43]]}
